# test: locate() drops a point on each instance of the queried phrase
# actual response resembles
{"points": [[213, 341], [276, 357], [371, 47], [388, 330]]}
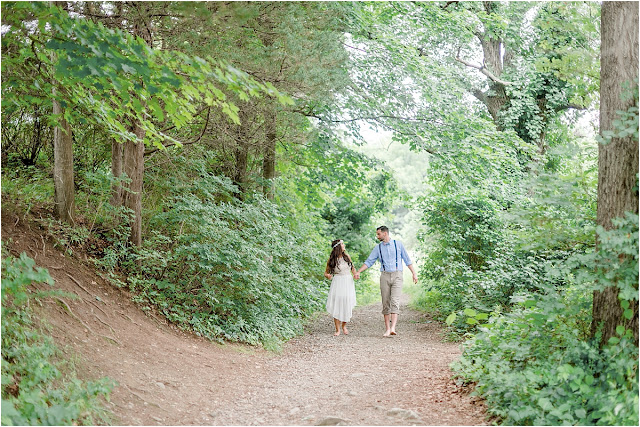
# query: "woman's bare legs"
{"points": [[337, 324], [344, 328]]}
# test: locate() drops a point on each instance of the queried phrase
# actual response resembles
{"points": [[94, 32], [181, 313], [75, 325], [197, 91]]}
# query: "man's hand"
{"points": [[415, 279], [356, 276]]}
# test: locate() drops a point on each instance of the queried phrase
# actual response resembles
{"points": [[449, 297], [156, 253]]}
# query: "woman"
{"points": [[342, 294]]}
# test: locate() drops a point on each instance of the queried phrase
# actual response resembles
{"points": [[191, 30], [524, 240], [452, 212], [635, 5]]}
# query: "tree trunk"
{"points": [[269, 160], [268, 37], [134, 150], [241, 153], [116, 171], [63, 184], [240, 174], [617, 160], [134, 168], [65, 207]]}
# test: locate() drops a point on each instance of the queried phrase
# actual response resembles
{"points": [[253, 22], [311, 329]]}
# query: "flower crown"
{"points": [[339, 241]]}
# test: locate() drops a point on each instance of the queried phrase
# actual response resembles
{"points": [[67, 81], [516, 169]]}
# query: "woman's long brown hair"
{"points": [[337, 253]]}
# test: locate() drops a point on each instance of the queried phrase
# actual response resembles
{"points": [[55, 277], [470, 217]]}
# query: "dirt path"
{"points": [[362, 378], [167, 377]]}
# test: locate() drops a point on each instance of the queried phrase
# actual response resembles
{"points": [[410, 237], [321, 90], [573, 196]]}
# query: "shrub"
{"points": [[34, 389], [537, 363], [229, 269]]}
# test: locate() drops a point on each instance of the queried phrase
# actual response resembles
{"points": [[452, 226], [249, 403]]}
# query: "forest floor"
{"points": [[169, 377]]}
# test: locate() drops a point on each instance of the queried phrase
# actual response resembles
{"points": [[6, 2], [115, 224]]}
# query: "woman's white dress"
{"points": [[342, 293]]}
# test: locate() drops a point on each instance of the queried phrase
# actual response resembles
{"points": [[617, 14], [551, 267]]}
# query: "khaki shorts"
{"points": [[390, 290]]}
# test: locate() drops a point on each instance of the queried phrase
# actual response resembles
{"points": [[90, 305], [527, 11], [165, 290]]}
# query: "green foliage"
{"points": [[34, 389], [465, 245], [533, 375], [537, 363], [28, 186], [627, 122], [229, 269], [117, 78], [479, 259], [615, 263], [567, 41], [349, 217], [487, 161], [470, 227]]}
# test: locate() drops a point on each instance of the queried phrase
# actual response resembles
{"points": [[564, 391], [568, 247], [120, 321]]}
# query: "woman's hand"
{"points": [[328, 276]]}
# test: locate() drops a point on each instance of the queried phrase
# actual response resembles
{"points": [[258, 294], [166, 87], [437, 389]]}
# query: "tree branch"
{"points": [[355, 119], [204, 129], [568, 106], [483, 70], [355, 48]]}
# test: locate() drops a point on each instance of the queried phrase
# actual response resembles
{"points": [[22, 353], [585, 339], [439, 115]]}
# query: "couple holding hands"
{"points": [[342, 294]]}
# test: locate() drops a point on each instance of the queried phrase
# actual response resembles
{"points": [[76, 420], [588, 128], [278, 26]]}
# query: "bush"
{"points": [[230, 269], [34, 389], [470, 262], [537, 363], [534, 369]]}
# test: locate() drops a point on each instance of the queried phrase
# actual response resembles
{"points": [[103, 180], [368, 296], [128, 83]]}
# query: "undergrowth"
{"points": [[227, 269], [38, 387]]}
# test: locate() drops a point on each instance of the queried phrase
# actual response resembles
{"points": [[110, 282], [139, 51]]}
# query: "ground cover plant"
{"points": [[38, 387]]}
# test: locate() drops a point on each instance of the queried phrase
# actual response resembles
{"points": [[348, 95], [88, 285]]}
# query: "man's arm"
{"points": [[368, 263], [360, 270], [415, 276], [408, 263]]}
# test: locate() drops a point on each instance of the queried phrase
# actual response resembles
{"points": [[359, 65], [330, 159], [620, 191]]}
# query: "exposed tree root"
{"points": [[78, 283], [142, 398], [84, 324], [104, 323], [127, 316], [98, 307]]}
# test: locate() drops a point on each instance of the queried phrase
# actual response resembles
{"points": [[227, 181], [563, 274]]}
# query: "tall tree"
{"points": [[618, 158], [294, 46], [63, 182], [133, 150]]}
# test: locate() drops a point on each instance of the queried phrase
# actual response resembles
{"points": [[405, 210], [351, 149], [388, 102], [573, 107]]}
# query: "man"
{"points": [[391, 253]]}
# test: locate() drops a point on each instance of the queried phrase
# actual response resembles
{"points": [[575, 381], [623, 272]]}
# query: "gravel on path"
{"points": [[359, 379]]}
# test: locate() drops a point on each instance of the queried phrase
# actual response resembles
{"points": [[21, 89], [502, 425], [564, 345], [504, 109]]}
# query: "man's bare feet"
{"points": [[393, 333], [387, 334]]}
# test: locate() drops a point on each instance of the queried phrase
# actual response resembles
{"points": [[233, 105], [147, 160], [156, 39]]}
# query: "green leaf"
{"points": [[470, 312], [482, 316], [157, 110], [450, 319], [137, 105], [128, 69], [545, 404]]}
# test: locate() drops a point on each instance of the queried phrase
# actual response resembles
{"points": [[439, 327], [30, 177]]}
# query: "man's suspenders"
{"points": [[395, 245]]}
